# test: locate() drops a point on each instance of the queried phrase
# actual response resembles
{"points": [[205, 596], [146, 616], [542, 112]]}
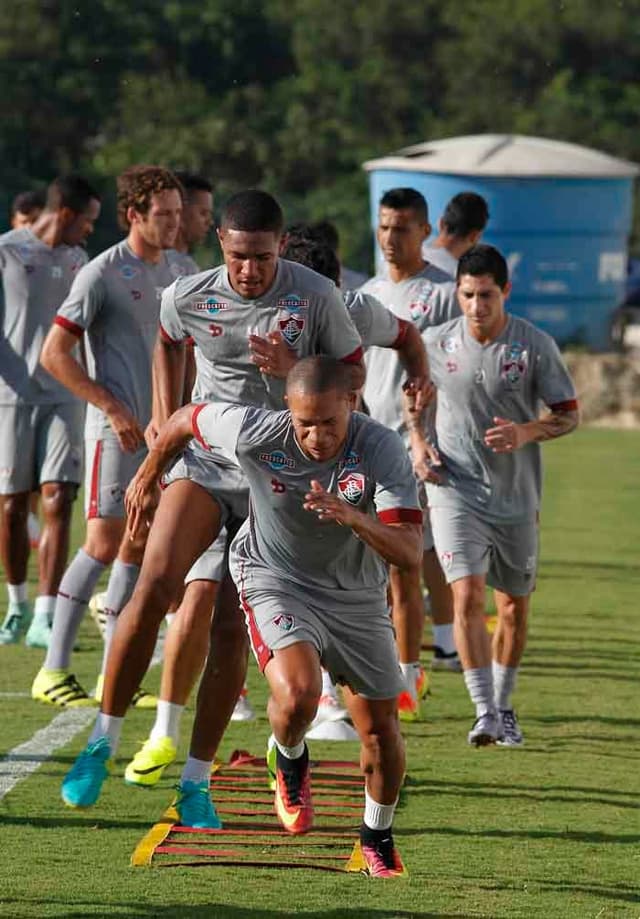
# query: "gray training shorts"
{"points": [[40, 443], [227, 485], [108, 471], [212, 564], [357, 647], [506, 553]]}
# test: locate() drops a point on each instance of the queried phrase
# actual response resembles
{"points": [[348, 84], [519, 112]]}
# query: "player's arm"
{"points": [[168, 380], [427, 464], [399, 542], [508, 436], [58, 359], [413, 357]]}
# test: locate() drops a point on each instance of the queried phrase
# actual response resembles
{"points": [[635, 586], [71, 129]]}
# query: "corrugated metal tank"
{"points": [[560, 213]]}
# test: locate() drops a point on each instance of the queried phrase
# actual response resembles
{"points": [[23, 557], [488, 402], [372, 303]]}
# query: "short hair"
{"points": [[326, 232], [138, 184], [253, 211], [484, 259], [401, 199], [27, 201], [72, 191], [192, 182], [315, 255], [319, 374], [465, 213]]}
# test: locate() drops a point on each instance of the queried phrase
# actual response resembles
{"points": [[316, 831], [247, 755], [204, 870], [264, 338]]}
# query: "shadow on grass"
{"points": [[514, 793], [566, 566], [623, 839], [620, 892], [586, 719], [65, 822], [543, 789]]}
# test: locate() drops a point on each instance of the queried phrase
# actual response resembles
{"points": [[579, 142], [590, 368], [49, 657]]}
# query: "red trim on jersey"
{"points": [[571, 405], [194, 426], [261, 652], [166, 337], [189, 342], [402, 334], [70, 326], [94, 489], [354, 358], [400, 515]]}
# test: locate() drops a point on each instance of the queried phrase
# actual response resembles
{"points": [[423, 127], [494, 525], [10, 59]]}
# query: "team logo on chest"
{"points": [[211, 305], [292, 303], [513, 364], [351, 487], [291, 328], [276, 459], [350, 461]]}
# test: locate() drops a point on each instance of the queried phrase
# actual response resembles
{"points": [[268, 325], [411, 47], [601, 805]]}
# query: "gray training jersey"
{"points": [[441, 258], [115, 299], [376, 325], [35, 280], [426, 299], [372, 472], [507, 378]]}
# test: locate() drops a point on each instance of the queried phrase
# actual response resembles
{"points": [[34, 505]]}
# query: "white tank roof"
{"points": [[513, 155]]}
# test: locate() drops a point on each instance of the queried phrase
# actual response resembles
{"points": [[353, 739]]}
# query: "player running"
{"points": [[40, 420], [492, 371], [420, 293], [115, 304]]}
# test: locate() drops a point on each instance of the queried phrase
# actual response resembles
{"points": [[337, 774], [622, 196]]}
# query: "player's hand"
{"points": [[272, 354], [151, 433], [418, 392], [140, 501], [328, 506], [505, 437], [427, 464], [125, 426]]}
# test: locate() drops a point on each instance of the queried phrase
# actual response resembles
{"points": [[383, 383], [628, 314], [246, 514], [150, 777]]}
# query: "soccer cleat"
{"points": [[59, 687], [81, 786], [39, 633], [486, 730], [144, 699], [293, 805], [329, 709], [16, 623], [97, 613], [443, 661], [195, 807], [243, 710], [271, 762], [422, 684], [147, 766], [510, 735], [408, 707], [382, 858]]}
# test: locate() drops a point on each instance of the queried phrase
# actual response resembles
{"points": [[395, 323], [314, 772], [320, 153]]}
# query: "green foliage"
{"points": [[295, 94]]}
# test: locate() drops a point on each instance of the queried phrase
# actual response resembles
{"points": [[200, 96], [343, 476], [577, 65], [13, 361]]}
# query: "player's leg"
{"points": [[445, 655], [33, 521], [171, 549], [408, 621]]}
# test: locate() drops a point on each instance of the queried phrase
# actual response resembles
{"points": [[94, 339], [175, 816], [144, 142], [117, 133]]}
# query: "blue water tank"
{"points": [[560, 213]]}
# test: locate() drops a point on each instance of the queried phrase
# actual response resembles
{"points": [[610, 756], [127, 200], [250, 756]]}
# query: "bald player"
{"points": [[417, 292], [492, 371], [314, 590], [114, 305], [228, 311], [40, 420]]}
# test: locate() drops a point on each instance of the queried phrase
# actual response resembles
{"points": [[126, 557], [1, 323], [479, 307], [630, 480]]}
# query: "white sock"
{"points": [[328, 686], [167, 723], [378, 816], [169, 618], [291, 752], [17, 593], [411, 672], [504, 683], [196, 770], [479, 683], [109, 726], [443, 637], [44, 608]]}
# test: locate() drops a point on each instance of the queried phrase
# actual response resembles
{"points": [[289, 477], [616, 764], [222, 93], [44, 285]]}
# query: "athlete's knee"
{"points": [[15, 508], [297, 698], [512, 611], [469, 599], [382, 739], [57, 501]]}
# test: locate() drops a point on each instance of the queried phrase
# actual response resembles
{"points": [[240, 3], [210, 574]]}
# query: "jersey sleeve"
{"points": [[553, 382], [396, 494], [376, 325], [337, 335], [83, 303], [171, 327], [217, 425]]}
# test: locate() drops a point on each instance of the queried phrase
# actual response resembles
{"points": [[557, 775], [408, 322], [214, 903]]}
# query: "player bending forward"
{"points": [[315, 594]]}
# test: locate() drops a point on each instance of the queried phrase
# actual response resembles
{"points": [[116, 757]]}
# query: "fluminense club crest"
{"points": [[291, 329], [351, 487]]}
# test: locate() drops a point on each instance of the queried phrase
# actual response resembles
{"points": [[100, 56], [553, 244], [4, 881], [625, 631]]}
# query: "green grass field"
{"points": [[551, 830]]}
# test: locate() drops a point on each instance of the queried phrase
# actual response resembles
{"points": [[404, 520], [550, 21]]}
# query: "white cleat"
{"points": [[329, 709], [486, 730], [510, 735], [243, 710]]}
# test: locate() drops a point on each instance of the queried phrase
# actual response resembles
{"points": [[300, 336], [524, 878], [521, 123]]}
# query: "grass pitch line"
{"points": [[24, 759]]}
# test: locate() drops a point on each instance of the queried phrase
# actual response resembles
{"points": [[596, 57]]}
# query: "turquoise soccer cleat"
{"points": [[195, 807], [81, 786]]}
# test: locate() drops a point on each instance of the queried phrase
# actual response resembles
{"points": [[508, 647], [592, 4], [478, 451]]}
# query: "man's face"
{"points": [[400, 235], [77, 227], [482, 302], [197, 217], [159, 226], [320, 422], [251, 259]]}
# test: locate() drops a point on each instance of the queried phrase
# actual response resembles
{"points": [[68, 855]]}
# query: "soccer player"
{"points": [[460, 227], [228, 311], [418, 292], [26, 207], [197, 213], [40, 421], [492, 371], [115, 304], [315, 593]]}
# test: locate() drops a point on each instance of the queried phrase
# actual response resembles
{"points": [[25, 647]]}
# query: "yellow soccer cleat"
{"points": [[147, 766], [60, 688]]}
